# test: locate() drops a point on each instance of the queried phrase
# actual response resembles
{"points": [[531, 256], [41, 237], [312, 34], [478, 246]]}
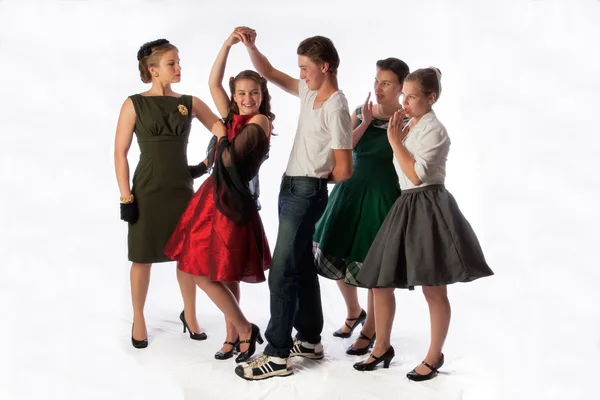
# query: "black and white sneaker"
{"points": [[264, 367], [307, 350]]}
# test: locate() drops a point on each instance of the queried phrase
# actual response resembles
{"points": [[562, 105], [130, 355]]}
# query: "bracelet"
{"points": [[127, 200]]}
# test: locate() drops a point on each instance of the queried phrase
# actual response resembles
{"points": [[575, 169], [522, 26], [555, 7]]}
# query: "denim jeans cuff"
{"points": [[313, 340]]}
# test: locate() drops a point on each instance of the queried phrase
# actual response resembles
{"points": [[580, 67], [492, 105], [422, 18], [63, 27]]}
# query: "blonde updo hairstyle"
{"points": [[149, 56], [430, 80]]}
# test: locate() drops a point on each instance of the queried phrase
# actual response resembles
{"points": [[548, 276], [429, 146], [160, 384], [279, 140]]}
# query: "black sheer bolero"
{"points": [[235, 171]]}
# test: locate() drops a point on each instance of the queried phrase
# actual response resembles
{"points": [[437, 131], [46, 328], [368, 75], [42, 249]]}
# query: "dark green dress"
{"points": [[162, 184], [357, 207]]}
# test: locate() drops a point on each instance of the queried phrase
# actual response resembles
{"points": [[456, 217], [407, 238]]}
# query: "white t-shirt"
{"points": [[318, 133], [428, 142]]}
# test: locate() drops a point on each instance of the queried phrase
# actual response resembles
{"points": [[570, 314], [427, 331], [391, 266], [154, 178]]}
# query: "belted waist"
{"points": [[152, 139], [318, 182], [417, 189]]}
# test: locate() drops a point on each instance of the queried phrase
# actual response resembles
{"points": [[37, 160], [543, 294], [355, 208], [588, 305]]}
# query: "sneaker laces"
{"points": [[262, 359]]}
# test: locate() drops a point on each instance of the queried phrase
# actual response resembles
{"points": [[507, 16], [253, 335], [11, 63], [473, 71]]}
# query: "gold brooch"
{"points": [[182, 109]]}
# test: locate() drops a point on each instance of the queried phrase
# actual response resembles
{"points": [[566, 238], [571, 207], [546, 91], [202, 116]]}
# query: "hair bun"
{"points": [[146, 49]]}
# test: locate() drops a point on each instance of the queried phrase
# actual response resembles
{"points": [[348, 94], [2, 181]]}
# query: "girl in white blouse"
{"points": [[425, 240]]}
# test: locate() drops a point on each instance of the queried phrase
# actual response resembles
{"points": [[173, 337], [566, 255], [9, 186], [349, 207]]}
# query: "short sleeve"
{"points": [[339, 124], [432, 150], [302, 89]]}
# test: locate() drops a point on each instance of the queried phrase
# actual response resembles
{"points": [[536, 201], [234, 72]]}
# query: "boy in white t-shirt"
{"points": [[322, 153]]}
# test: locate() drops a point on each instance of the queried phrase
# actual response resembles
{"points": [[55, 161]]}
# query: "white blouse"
{"points": [[428, 142]]}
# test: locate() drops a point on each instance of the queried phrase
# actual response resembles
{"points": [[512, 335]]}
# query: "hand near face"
{"points": [[394, 131], [367, 110]]}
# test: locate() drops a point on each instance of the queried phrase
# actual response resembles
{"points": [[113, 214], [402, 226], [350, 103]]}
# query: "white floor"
{"points": [[520, 102]]}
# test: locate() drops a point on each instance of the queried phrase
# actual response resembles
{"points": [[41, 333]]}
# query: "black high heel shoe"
{"points": [[415, 376], [363, 350], [254, 337], [195, 336], [138, 344], [386, 358], [225, 355], [358, 320]]}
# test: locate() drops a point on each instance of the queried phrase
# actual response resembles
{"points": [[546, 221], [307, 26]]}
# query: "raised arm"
{"points": [[263, 66], [123, 139], [215, 80], [358, 130]]}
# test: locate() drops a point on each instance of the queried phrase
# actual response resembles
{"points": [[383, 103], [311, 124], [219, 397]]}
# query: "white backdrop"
{"points": [[520, 83]]}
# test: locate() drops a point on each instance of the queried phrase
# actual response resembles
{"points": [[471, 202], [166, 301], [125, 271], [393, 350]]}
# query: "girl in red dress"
{"points": [[220, 239]]}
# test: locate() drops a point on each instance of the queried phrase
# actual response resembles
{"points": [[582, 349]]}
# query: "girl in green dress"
{"points": [[358, 206], [162, 183]]}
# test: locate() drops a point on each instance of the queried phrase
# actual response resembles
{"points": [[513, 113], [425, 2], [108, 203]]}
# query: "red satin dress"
{"points": [[207, 243]]}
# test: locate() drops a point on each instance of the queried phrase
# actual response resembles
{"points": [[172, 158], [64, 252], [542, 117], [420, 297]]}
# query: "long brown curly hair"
{"points": [[265, 105]]}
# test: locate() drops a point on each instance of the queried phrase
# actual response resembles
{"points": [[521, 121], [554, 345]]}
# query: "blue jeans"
{"points": [[293, 281]]}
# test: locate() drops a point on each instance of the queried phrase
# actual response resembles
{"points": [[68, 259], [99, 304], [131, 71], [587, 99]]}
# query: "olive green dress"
{"points": [[357, 207], [162, 184]]}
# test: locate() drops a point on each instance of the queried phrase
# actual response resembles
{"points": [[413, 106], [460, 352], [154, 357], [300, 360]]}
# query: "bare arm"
{"points": [[278, 78], [406, 161], [215, 80], [208, 118], [358, 130], [395, 136], [367, 117], [343, 166], [123, 139], [264, 67]]}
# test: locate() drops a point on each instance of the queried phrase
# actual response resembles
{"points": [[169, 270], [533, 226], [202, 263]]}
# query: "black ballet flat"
{"points": [[195, 336], [358, 320], [225, 355], [415, 376], [138, 344], [386, 358], [254, 337], [363, 350]]}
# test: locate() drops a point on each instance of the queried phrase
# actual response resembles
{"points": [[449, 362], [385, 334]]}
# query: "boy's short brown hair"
{"points": [[320, 50]]}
